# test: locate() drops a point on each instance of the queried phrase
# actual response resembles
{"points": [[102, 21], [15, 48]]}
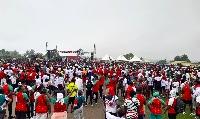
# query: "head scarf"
{"points": [[60, 98], [156, 94]]}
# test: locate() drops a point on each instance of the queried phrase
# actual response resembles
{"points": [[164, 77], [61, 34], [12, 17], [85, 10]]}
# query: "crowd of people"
{"points": [[40, 86]]}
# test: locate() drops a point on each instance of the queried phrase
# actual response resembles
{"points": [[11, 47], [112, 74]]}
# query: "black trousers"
{"points": [[151, 89], [89, 93], [172, 115], [10, 109], [32, 108], [100, 90], [2, 114], [21, 115], [95, 93]]}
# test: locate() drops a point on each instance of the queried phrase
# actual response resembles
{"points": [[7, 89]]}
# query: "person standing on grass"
{"points": [[142, 100], [187, 92], [3, 105], [167, 88], [78, 105], [150, 83], [154, 106], [132, 106], [127, 91], [171, 103]]}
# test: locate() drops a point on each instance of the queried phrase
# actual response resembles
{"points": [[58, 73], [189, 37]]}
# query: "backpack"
{"points": [[180, 106], [89, 85]]}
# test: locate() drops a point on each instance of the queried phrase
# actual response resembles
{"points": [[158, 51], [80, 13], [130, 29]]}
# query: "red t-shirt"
{"points": [[21, 103], [96, 87], [142, 99], [171, 110], [156, 106], [41, 105], [187, 93], [102, 80], [7, 89]]}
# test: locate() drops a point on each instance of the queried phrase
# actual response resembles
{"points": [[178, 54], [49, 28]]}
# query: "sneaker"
{"points": [[184, 113], [86, 105], [191, 113], [96, 103], [92, 105]]}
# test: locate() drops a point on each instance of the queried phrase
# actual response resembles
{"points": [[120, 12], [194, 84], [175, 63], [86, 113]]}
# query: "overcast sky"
{"points": [[152, 29]]}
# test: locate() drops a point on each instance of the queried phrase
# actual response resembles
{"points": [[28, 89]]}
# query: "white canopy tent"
{"points": [[121, 58], [135, 59], [107, 57]]}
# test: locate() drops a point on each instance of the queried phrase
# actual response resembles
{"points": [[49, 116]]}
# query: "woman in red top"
{"points": [[60, 106], [154, 106], [187, 96], [22, 99], [96, 88]]}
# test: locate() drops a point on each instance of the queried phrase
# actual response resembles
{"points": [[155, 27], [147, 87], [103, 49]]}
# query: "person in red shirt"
{"points": [[22, 99], [8, 90], [96, 88], [127, 91], [101, 82], [142, 100], [154, 106], [187, 96], [171, 103]]}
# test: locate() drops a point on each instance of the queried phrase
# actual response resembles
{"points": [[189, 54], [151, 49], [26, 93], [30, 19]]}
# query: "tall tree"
{"points": [[129, 56], [184, 57]]}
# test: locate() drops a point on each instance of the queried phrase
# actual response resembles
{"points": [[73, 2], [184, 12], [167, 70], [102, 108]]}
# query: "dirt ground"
{"points": [[95, 112]]}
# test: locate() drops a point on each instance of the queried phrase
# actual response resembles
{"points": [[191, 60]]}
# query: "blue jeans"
{"points": [[141, 116]]}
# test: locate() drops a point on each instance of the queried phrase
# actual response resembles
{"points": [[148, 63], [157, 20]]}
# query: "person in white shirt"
{"points": [[120, 114], [167, 87], [163, 86], [79, 83], [38, 80], [175, 85], [13, 79], [150, 81]]}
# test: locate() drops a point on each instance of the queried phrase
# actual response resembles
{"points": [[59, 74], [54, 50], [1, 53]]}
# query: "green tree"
{"points": [[129, 56], [184, 57], [40, 55], [162, 61]]}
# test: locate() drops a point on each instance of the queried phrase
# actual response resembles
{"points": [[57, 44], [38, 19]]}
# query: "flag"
{"points": [[94, 49], [46, 45]]}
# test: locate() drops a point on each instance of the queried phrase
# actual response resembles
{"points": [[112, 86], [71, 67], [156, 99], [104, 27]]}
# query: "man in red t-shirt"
{"points": [[8, 90], [142, 100], [127, 91], [101, 82], [96, 88], [187, 96]]}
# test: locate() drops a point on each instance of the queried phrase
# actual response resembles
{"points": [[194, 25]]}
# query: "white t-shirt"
{"points": [[158, 78], [13, 79], [112, 108], [198, 99], [45, 77], [79, 83], [150, 81], [171, 101], [163, 83], [176, 84], [167, 85], [109, 116], [38, 81], [47, 70], [125, 83]]}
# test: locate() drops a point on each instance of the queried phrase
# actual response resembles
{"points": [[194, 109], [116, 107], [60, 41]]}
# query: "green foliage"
{"points": [[182, 58], [53, 55], [162, 61], [129, 56]]}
